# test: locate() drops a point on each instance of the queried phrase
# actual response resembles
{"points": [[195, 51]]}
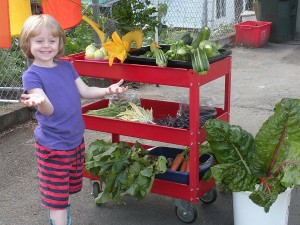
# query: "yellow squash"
{"points": [[134, 36], [95, 26]]}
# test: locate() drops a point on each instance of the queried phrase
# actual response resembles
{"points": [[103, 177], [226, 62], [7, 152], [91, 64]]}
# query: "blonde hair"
{"points": [[32, 27]]}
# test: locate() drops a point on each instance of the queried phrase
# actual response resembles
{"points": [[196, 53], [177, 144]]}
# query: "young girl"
{"points": [[55, 89]]}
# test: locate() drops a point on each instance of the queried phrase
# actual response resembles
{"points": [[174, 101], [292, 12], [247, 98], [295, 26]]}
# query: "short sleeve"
{"points": [[31, 80]]}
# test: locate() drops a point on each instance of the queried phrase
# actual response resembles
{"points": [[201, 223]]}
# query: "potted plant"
{"points": [[264, 166]]}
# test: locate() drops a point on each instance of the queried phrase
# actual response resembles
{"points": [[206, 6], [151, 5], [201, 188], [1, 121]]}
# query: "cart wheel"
{"points": [[96, 189], [210, 196], [186, 211]]}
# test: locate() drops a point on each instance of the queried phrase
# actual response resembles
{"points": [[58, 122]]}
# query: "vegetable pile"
{"points": [[136, 114], [110, 112], [129, 111], [181, 162], [197, 51], [182, 120], [125, 106], [123, 169]]}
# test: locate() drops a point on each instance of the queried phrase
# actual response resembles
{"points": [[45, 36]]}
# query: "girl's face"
{"points": [[44, 47]]}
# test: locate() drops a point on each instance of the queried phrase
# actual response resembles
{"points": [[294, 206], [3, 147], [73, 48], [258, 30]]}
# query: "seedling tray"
{"points": [[136, 56]]}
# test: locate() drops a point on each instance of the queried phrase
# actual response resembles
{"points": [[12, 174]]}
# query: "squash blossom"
{"points": [[116, 48]]}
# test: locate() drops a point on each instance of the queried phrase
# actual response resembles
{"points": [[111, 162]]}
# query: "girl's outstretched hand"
{"points": [[32, 99], [116, 88]]}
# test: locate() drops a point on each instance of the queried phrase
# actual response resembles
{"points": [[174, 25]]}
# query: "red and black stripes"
{"points": [[60, 174]]}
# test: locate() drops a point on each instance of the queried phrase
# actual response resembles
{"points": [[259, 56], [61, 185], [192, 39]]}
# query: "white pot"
{"points": [[247, 213]]}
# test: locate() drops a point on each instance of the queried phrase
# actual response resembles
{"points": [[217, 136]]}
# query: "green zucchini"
{"points": [[187, 38], [161, 59], [211, 48], [209, 51], [200, 61], [204, 34]]}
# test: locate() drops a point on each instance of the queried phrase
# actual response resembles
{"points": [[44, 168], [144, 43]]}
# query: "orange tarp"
{"points": [[13, 13], [4, 25], [66, 12]]}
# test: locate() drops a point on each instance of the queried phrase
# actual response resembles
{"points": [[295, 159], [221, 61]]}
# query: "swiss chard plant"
{"points": [[265, 165]]}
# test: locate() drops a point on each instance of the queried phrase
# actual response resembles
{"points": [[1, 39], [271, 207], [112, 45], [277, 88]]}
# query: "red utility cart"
{"points": [[187, 195]]}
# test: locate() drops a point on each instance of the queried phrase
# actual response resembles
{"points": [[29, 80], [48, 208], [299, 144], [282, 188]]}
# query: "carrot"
{"points": [[183, 165], [187, 167], [177, 161]]}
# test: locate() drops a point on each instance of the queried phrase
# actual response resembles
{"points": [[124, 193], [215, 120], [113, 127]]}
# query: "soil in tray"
{"points": [[137, 57]]}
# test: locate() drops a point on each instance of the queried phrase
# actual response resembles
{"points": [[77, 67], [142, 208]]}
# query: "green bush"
{"points": [[12, 64]]}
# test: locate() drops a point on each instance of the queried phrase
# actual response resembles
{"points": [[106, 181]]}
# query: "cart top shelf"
{"points": [[179, 77]]}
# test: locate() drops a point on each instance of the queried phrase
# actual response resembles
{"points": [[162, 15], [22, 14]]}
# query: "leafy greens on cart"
{"points": [[123, 169]]}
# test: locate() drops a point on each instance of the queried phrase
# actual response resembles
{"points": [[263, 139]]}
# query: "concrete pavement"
{"points": [[260, 78]]}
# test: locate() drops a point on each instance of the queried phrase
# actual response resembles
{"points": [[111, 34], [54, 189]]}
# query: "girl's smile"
{"points": [[44, 47]]}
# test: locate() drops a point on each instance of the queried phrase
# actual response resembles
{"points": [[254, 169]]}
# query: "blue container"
{"points": [[206, 161]]}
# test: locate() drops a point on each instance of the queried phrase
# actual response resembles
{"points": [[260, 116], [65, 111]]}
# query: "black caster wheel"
{"points": [[96, 189], [210, 196], [186, 211]]}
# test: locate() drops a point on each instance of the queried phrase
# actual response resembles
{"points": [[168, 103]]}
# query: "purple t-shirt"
{"points": [[63, 130]]}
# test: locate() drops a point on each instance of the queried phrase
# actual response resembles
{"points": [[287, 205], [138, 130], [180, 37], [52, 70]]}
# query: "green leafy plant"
{"points": [[132, 14], [80, 36], [270, 161], [12, 64], [124, 170]]}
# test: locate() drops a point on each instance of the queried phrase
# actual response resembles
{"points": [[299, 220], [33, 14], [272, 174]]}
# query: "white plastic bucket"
{"points": [[248, 213]]}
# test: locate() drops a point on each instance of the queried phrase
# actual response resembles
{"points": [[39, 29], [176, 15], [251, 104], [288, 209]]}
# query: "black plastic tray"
{"points": [[136, 57]]}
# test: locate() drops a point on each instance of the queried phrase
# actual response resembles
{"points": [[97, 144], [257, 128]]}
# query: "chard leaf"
{"points": [[273, 139], [119, 166], [109, 182], [234, 176], [122, 179], [291, 167], [266, 195], [230, 143], [269, 141], [132, 190], [147, 172], [143, 185], [89, 165], [93, 150], [161, 164], [107, 154], [104, 171]]}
